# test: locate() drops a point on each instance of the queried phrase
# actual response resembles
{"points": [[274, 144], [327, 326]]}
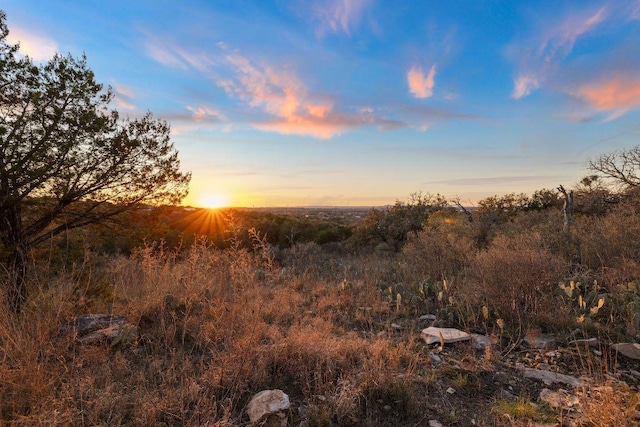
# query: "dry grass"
{"points": [[215, 327]]}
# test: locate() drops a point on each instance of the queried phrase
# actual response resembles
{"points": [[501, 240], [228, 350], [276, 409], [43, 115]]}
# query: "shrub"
{"points": [[442, 250], [517, 276]]}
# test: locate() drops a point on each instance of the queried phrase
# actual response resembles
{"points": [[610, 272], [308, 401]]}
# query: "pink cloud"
{"points": [[419, 85], [617, 94], [524, 85], [281, 94], [38, 47], [204, 113], [323, 128], [124, 96]]}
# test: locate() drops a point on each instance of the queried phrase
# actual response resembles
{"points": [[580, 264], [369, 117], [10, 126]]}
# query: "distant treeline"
{"points": [[378, 229]]}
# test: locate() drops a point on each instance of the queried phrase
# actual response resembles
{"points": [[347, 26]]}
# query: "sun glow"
{"points": [[214, 201]]}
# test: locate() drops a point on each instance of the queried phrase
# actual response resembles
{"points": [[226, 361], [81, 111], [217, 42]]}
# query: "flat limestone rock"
{"points": [[95, 328], [266, 403], [433, 335], [87, 323], [116, 334], [549, 377], [632, 351]]}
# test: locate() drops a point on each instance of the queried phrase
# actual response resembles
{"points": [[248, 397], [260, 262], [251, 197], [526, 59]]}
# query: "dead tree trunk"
{"points": [[567, 208]]}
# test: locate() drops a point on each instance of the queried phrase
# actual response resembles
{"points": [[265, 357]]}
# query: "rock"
{"points": [[629, 350], [481, 342], [559, 399], [267, 402], [433, 335], [541, 342], [428, 317], [549, 377], [94, 328], [396, 327], [118, 334], [435, 357], [507, 395], [587, 342], [451, 390], [87, 323], [435, 423]]}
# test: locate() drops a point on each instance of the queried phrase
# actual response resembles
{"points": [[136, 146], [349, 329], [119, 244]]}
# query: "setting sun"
{"points": [[213, 201]]}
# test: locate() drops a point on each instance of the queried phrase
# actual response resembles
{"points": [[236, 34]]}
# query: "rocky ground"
{"points": [[466, 379]]}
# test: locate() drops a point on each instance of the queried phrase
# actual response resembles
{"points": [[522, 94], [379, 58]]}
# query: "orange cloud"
{"points": [[318, 111], [311, 126], [419, 85], [618, 94], [282, 95], [35, 46]]}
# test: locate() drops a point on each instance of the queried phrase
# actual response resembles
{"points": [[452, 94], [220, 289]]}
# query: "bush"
{"points": [[517, 276], [442, 250]]}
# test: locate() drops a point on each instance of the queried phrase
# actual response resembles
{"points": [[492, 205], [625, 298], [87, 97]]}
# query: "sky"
{"points": [[361, 102]]}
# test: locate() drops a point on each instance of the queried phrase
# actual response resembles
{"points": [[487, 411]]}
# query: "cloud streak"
{"points": [[339, 16], [538, 59], [421, 86], [281, 94], [124, 97], [278, 93], [498, 180]]}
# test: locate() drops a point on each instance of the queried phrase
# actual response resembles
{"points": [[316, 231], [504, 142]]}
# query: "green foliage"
{"points": [[392, 226], [626, 306], [585, 301], [66, 159], [435, 297]]}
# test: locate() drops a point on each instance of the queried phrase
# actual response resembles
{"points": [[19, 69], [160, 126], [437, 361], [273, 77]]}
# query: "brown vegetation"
{"points": [[337, 329]]}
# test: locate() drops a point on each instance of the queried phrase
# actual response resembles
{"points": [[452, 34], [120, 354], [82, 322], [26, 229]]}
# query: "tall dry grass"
{"points": [[214, 327]]}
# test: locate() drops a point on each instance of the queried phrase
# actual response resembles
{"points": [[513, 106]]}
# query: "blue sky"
{"points": [[361, 102]]}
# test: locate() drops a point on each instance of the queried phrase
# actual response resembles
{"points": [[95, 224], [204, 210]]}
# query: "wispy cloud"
{"points": [[615, 94], [421, 86], [524, 85], [171, 54], [124, 96], [538, 58], [204, 113], [281, 94], [36, 46], [339, 16], [281, 102], [499, 180], [634, 10], [195, 117]]}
